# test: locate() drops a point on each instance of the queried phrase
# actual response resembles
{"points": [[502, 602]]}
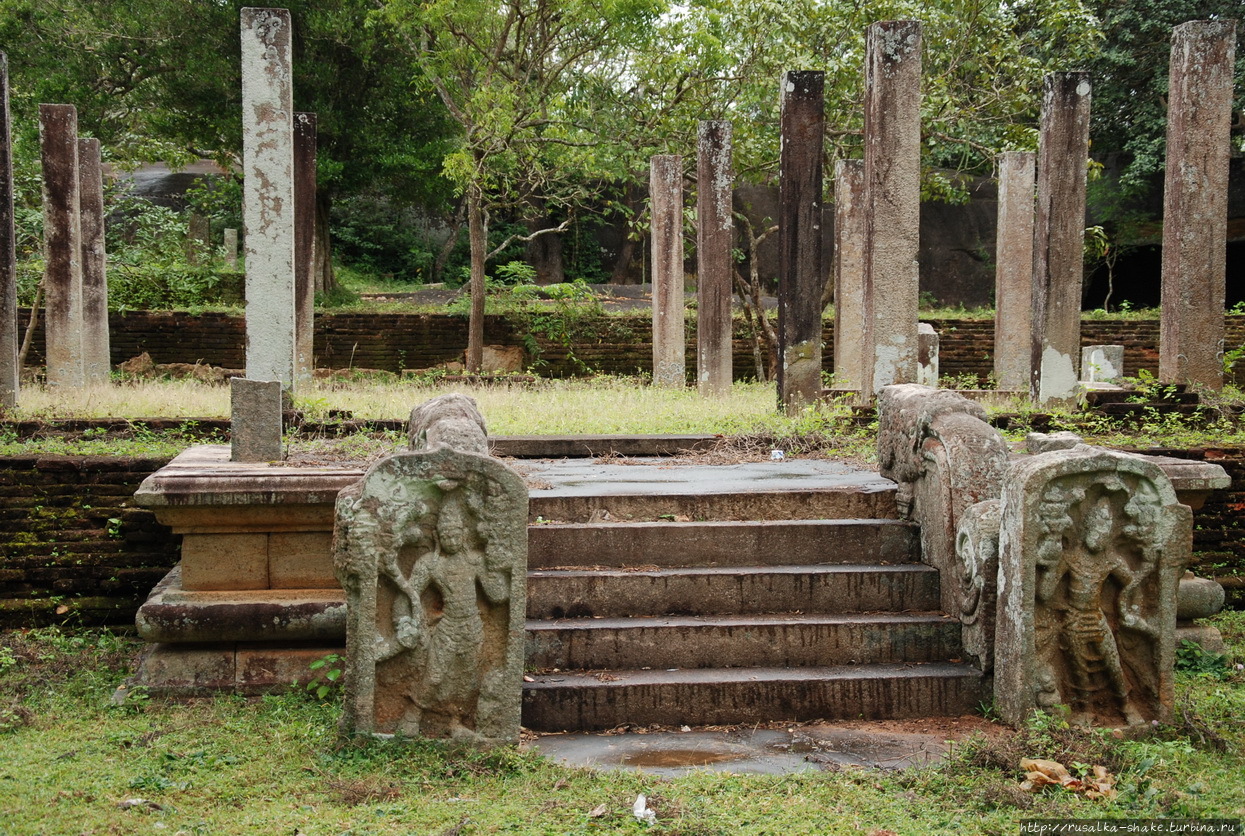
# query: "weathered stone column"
{"points": [[62, 237], [1013, 272], [96, 346], [1195, 202], [9, 339], [268, 199], [666, 196], [849, 280], [715, 230], [892, 201], [800, 274], [230, 238], [304, 243], [1059, 236]]}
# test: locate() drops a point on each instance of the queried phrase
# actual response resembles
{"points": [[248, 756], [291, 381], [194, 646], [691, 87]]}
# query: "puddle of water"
{"points": [[678, 757]]}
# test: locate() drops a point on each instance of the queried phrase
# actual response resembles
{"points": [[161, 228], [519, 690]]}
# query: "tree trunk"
{"points": [[477, 232], [621, 274], [322, 270]]}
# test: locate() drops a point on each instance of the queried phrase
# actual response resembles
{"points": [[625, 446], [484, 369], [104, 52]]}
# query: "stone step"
{"points": [[591, 701], [720, 543], [581, 593], [648, 489], [740, 641]]}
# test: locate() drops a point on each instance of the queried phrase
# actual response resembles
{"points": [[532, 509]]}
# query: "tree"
{"points": [[1130, 75], [508, 74]]}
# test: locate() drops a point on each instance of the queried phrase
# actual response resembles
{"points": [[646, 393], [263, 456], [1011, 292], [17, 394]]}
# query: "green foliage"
{"points": [[328, 679], [1192, 658], [1130, 76], [373, 233]]}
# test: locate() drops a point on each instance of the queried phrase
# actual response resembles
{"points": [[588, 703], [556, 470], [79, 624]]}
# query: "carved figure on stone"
{"points": [[431, 549], [453, 420], [1091, 547], [977, 548]]}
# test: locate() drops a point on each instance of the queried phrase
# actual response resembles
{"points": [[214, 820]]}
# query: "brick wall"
{"points": [[617, 345], [72, 544], [63, 558]]}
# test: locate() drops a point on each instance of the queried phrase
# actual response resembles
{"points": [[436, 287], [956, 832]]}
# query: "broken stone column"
{"points": [[304, 243], [62, 238], [892, 201], [230, 237], [669, 341], [801, 277], [9, 338], [96, 345], [926, 355], [1091, 547], [198, 236], [1059, 236], [715, 230], [255, 420], [431, 550], [849, 282], [268, 199], [1195, 202], [1102, 363], [1013, 273]]}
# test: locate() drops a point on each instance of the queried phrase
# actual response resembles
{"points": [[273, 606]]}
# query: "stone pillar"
{"points": [[926, 355], [892, 201], [800, 274], [715, 230], [304, 243], [231, 248], [268, 199], [96, 347], [849, 282], [198, 237], [9, 339], [62, 237], [1059, 236], [1013, 273], [666, 195], [1195, 202]]}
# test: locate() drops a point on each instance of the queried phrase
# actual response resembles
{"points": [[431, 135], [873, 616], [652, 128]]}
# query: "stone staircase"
{"points": [[773, 604]]}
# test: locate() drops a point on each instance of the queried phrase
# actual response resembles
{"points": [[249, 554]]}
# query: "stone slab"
{"points": [[301, 560], [255, 420], [225, 561]]}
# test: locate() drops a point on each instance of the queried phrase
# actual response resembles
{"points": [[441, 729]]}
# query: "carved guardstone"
{"points": [[431, 549], [1091, 547]]}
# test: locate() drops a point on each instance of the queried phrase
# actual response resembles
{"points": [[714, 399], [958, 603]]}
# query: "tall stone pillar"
{"points": [[231, 248], [62, 237], [9, 339], [268, 199], [892, 200], [800, 274], [666, 199], [1059, 236], [1013, 273], [304, 243], [1195, 202], [715, 230], [849, 279], [96, 346]]}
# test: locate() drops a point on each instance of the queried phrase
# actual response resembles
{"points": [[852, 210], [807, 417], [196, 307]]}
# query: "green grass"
{"points": [[227, 764]]}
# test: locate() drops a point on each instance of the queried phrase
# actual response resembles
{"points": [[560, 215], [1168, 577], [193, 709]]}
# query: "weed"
{"points": [[328, 680]]}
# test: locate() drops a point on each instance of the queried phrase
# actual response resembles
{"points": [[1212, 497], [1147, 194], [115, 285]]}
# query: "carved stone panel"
{"points": [[431, 549], [1091, 546], [977, 553]]}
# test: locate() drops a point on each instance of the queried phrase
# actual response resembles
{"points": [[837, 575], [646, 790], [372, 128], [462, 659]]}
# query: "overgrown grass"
{"points": [[73, 762], [603, 405]]}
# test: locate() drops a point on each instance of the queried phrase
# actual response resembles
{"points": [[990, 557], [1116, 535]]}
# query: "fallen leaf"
{"points": [[597, 811]]}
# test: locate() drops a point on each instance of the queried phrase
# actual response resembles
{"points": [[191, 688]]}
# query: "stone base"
{"points": [[244, 667], [1208, 637]]}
